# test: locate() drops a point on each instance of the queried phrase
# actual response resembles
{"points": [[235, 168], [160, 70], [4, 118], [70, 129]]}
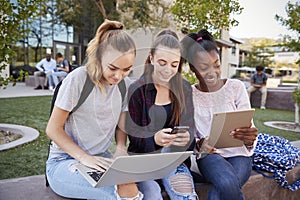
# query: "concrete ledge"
{"points": [[31, 83], [31, 187], [28, 134], [277, 98], [257, 187], [261, 188]]}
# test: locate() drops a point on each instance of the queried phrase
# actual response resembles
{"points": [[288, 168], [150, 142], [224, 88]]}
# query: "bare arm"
{"points": [[121, 137]]}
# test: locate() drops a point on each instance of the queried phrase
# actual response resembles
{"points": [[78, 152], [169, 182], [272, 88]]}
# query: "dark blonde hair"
{"points": [[109, 33], [168, 38]]}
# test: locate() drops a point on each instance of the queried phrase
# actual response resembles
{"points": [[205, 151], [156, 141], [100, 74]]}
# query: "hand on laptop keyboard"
{"points": [[96, 162]]}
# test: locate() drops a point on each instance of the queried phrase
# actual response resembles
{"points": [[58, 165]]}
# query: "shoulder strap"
{"points": [[122, 88], [88, 87], [86, 90]]}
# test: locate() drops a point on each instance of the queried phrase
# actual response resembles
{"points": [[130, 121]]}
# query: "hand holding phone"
{"points": [[180, 129]]}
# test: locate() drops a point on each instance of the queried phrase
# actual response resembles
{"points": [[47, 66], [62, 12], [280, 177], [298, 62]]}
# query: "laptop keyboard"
{"points": [[96, 175]]}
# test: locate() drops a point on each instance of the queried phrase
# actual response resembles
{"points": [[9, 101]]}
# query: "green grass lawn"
{"points": [[29, 159]]}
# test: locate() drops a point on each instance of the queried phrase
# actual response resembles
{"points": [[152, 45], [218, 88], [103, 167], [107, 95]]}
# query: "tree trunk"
{"points": [[296, 104]]}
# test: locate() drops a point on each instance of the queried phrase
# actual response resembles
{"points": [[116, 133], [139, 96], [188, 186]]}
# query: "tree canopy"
{"points": [[209, 14], [292, 22], [13, 21]]}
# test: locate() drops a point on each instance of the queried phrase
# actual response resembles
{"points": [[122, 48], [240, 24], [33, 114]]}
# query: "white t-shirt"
{"points": [[232, 96], [92, 126], [47, 65]]}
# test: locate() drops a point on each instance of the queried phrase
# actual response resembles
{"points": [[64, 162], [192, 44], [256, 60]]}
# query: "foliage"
{"points": [[13, 18], [29, 159], [296, 95], [144, 14], [209, 14], [83, 15], [254, 59], [292, 23], [189, 76]]}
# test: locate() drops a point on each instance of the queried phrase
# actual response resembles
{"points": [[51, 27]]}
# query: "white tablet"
{"points": [[223, 123]]}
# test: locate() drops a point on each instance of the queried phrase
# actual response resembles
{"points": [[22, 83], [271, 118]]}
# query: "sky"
{"points": [[258, 19]]}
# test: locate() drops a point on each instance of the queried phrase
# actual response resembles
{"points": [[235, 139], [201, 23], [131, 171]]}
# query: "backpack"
{"points": [[70, 66], [86, 90], [276, 155]]}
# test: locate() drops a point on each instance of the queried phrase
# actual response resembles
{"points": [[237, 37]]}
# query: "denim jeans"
{"points": [[173, 194], [67, 182], [56, 75], [227, 175]]}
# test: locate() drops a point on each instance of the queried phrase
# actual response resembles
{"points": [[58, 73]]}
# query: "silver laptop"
{"points": [[224, 122], [135, 168]]}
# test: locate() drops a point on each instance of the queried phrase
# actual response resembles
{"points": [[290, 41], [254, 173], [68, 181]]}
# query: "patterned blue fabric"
{"points": [[276, 155]]}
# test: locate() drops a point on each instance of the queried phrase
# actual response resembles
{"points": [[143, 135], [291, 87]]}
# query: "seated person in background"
{"points": [[45, 66], [259, 82], [62, 69], [227, 169]]}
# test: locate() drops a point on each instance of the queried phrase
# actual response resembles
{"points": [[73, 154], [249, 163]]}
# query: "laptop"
{"points": [[135, 168], [224, 122]]}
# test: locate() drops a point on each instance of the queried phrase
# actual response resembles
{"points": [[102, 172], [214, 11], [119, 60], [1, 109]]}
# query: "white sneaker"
{"points": [[263, 107], [51, 88]]}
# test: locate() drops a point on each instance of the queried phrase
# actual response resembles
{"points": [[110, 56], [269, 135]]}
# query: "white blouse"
{"points": [[232, 96]]}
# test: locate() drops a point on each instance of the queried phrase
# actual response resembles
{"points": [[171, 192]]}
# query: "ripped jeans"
{"points": [[179, 184]]}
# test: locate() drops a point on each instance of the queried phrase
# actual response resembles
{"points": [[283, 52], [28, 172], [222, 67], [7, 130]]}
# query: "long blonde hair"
{"points": [[109, 33]]}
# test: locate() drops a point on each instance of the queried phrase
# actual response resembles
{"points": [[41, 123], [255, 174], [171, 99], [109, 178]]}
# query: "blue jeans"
{"points": [[56, 75], [227, 175], [67, 182], [176, 195]]}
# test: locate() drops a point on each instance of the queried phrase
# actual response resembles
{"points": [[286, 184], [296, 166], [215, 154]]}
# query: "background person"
{"points": [[45, 67], [227, 169], [259, 82], [159, 100], [62, 70], [85, 135]]}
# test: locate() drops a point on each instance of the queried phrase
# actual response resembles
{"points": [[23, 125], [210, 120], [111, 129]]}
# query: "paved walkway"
{"points": [[21, 90]]}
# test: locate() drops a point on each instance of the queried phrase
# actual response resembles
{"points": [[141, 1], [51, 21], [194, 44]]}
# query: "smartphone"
{"points": [[180, 129]]}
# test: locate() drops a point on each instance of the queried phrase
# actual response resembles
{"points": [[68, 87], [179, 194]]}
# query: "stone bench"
{"points": [[31, 82], [261, 188], [257, 187], [277, 98]]}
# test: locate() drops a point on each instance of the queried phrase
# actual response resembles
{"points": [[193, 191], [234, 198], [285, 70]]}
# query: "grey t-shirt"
{"points": [[92, 126]]}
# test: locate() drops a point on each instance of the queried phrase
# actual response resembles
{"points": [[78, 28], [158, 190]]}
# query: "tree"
{"points": [[13, 18], [209, 14], [144, 14], [292, 23]]}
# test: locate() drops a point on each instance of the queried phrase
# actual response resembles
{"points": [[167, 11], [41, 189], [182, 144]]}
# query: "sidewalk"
{"points": [[20, 90]]}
